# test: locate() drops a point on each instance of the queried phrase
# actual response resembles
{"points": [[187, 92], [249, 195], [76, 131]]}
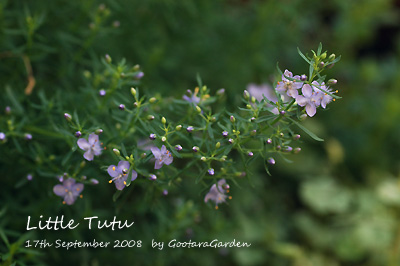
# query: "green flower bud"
{"points": [[178, 127], [163, 120], [218, 145], [332, 57], [213, 119], [203, 158], [98, 131], [133, 91], [150, 117], [323, 56], [116, 152], [143, 155], [253, 99], [108, 58], [248, 106], [163, 139], [152, 100], [246, 95], [198, 109]]}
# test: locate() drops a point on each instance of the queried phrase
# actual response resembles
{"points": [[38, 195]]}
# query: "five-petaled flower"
{"points": [[310, 99], [289, 87], [91, 147], [162, 156], [69, 190], [120, 174], [218, 192]]}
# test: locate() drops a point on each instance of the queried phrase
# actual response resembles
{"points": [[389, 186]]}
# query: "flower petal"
{"points": [[59, 190], [69, 199], [168, 160], [77, 189], [158, 164], [134, 175], [311, 110], [83, 144], [97, 149], [123, 165], [113, 173], [68, 183], [88, 155], [301, 100], [119, 183], [156, 152], [163, 149], [307, 90], [93, 138]]}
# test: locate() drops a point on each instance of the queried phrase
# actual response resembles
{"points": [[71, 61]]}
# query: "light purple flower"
{"points": [[153, 177], [310, 99], [178, 147], [192, 98], [211, 171], [120, 174], [91, 147], [152, 136], [217, 193], [287, 86], [257, 91], [225, 133], [189, 129], [162, 156], [28, 136], [102, 92], [78, 134], [69, 190], [324, 97], [2, 136], [250, 154], [271, 160], [139, 75]]}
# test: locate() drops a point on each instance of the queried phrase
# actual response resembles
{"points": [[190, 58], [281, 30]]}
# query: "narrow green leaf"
{"points": [[303, 56], [116, 195], [319, 49], [308, 132]]}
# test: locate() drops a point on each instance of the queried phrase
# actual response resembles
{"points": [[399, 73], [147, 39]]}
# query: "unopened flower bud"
{"points": [[150, 117], [163, 120], [139, 75], [108, 58], [121, 107], [8, 110], [163, 139], [303, 117], [152, 136], [282, 113], [297, 150], [143, 155], [189, 129], [278, 147], [303, 77], [271, 161], [94, 181], [281, 135], [252, 119], [135, 104], [253, 132], [211, 171], [195, 149], [28, 136], [230, 141], [253, 99], [321, 65], [165, 192], [198, 109], [225, 133], [178, 147], [232, 118], [323, 56], [269, 141], [133, 91], [102, 92], [288, 149], [98, 131], [178, 127], [296, 136], [332, 57], [250, 154], [220, 92], [213, 119], [218, 145], [29, 177], [68, 117], [152, 100], [117, 152], [136, 67], [153, 177], [203, 158], [332, 82], [246, 95], [248, 106]]}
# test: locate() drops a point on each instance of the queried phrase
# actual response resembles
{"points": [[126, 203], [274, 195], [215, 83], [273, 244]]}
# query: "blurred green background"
{"points": [[337, 204]]}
